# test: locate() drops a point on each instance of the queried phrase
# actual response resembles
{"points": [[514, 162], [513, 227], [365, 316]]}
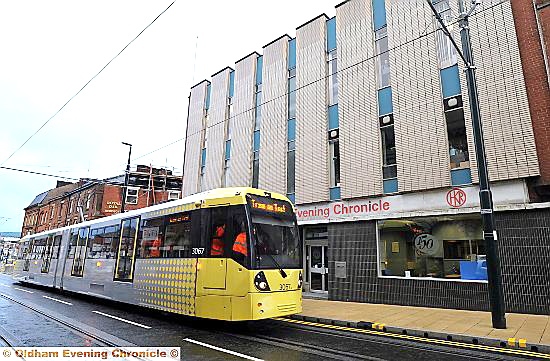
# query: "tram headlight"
{"points": [[261, 282], [300, 280]]}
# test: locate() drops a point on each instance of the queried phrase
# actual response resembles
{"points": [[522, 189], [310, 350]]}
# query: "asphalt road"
{"points": [[199, 339]]}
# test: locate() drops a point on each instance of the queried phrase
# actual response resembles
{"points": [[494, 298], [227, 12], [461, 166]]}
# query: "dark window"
{"points": [[56, 243], [389, 167], [72, 243], [151, 237], [223, 226], [458, 143]]}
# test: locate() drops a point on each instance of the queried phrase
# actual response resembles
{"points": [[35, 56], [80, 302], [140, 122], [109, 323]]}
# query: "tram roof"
{"points": [[211, 198]]}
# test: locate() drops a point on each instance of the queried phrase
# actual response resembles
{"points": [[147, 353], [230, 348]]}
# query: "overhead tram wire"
{"points": [[85, 85], [421, 36], [88, 180]]}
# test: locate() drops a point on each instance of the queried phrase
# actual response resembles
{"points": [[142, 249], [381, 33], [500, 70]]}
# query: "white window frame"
{"points": [[171, 195], [136, 195]]}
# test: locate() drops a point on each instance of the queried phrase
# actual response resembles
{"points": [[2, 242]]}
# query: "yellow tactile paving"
{"points": [[532, 328]]}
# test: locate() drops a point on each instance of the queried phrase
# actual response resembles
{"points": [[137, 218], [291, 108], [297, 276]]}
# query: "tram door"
{"points": [[80, 252], [126, 249], [46, 260]]}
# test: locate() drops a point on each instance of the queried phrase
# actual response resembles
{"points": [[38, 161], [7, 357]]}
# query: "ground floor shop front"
{"points": [[425, 250]]}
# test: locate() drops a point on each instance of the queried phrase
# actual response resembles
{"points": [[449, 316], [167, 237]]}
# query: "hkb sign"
{"points": [[456, 198], [409, 204]]}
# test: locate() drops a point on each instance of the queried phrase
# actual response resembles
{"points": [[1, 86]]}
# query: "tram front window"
{"points": [[276, 243], [275, 239]]}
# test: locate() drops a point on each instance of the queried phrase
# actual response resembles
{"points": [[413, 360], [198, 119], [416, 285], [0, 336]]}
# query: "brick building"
{"points": [[532, 23], [70, 203]]}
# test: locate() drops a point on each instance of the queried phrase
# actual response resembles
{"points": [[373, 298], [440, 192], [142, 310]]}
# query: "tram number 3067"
{"points": [[198, 251], [284, 286]]}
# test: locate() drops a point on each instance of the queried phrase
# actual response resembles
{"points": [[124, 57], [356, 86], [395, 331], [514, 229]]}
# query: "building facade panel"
{"points": [[274, 116], [193, 138], [508, 131], [420, 128], [242, 122], [312, 183], [216, 123], [361, 163]]}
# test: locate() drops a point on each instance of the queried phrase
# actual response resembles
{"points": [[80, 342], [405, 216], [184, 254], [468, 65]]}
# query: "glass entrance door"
{"points": [[318, 268]]}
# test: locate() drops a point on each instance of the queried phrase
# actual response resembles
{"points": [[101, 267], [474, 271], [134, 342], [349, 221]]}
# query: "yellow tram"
{"points": [[229, 254]]}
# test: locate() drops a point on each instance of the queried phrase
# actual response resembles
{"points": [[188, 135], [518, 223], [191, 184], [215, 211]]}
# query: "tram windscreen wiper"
{"points": [[281, 270]]}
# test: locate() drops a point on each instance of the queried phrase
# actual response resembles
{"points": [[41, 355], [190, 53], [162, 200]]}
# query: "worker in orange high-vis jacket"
{"points": [[217, 241], [155, 249], [240, 246]]}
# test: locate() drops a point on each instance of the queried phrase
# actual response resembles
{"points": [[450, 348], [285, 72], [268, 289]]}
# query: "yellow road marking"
{"points": [[422, 339]]}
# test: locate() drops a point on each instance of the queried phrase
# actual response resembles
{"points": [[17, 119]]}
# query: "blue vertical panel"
{"points": [[207, 102], [379, 13], [450, 81], [331, 34], [203, 157], [231, 83], [461, 176], [256, 144], [259, 64], [292, 53], [335, 193], [291, 131], [227, 149], [390, 186], [385, 101], [333, 122], [291, 197]]}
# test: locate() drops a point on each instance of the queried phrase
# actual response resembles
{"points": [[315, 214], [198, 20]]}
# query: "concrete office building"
{"points": [[363, 121]]}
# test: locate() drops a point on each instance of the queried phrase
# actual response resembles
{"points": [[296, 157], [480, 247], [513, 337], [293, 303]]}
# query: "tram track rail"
{"points": [[102, 339], [471, 351]]}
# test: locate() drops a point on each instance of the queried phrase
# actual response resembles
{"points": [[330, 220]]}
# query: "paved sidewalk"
{"points": [[522, 329]]}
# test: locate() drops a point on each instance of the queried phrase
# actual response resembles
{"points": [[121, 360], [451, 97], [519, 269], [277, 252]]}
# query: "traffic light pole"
{"points": [[496, 295]]}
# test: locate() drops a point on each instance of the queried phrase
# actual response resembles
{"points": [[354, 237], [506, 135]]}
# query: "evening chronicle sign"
{"points": [[450, 200]]}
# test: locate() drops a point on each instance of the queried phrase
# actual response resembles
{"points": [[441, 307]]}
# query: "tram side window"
{"points": [[111, 238], [56, 243], [72, 243], [151, 238], [38, 248], [232, 220], [95, 245], [25, 249], [177, 242], [217, 231]]}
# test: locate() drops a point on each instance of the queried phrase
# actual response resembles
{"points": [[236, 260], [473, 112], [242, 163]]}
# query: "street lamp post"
{"points": [[126, 177], [496, 295]]}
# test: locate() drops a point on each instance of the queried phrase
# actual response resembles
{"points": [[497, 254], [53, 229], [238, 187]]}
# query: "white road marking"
{"points": [[121, 319], [1, 284], [223, 350], [20, 289], [56, 300]]}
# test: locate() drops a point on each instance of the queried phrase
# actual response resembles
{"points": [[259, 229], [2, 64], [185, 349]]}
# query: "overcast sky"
{"points": [[50, 49]]}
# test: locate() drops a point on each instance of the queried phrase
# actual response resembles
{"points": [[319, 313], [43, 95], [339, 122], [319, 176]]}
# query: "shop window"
{"points": [[447, 247]]}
